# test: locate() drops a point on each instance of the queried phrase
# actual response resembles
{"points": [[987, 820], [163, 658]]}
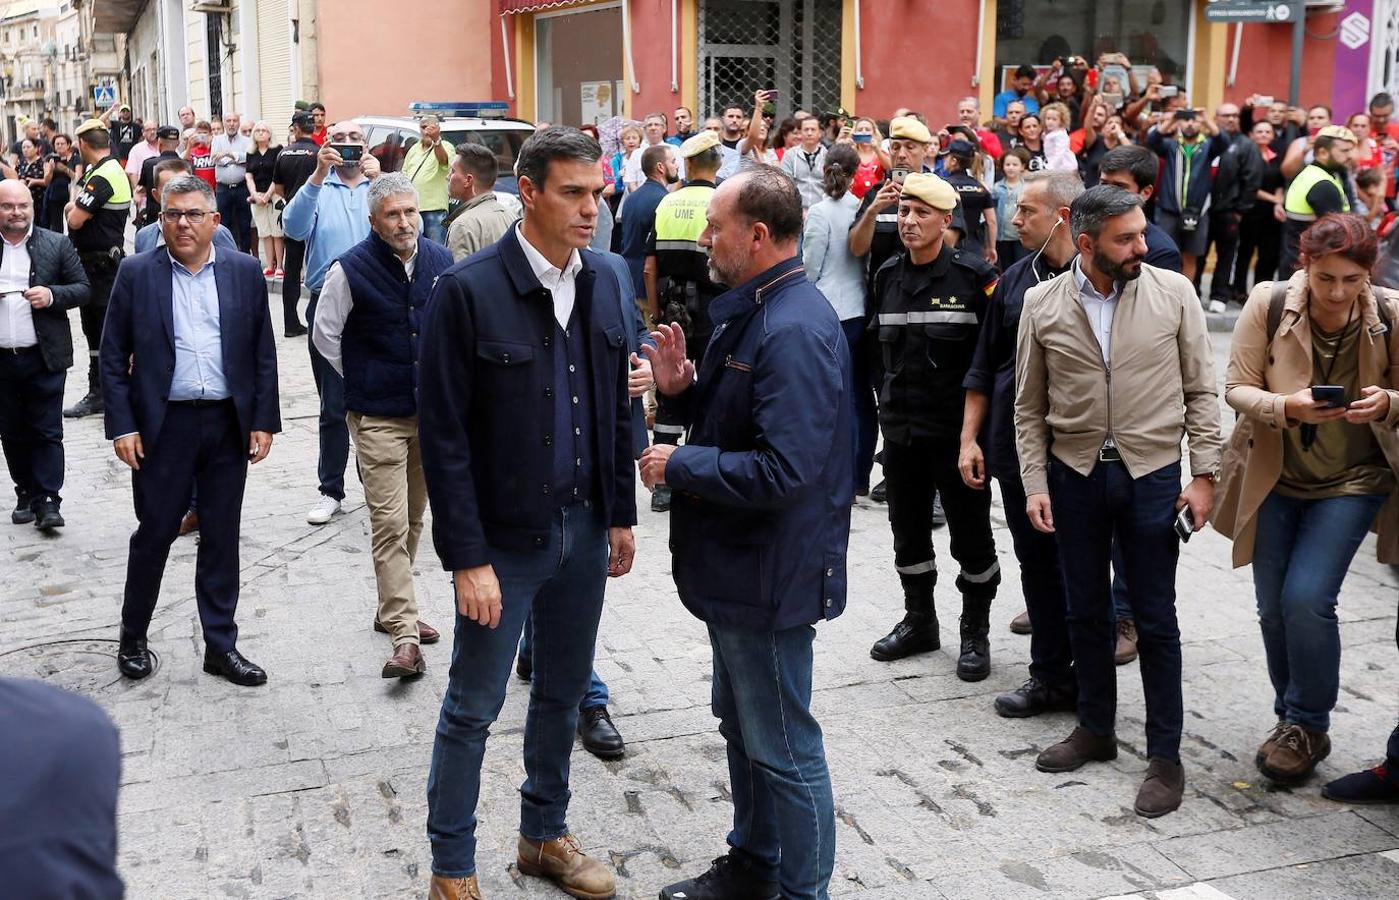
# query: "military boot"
{"points": [[918, 632], [974, 663]]}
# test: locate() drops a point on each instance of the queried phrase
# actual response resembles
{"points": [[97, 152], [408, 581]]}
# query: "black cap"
{"points": [[961, 149], [304, 120], [168, 133]]}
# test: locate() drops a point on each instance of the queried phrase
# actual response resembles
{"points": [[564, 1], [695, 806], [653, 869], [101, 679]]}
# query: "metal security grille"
{"points": [[792, 46]]}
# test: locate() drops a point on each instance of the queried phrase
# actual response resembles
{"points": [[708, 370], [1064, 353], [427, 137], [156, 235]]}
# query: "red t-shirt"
{"points": [[201, 158], [866, 176], [318, 136]]}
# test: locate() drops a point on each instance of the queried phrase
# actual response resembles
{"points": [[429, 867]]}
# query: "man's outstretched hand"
{"points": [[672, 370]]}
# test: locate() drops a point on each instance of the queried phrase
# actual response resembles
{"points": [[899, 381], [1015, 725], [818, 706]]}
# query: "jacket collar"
{"points": [[517, 264], [751, 294], [478, 200], [1295, 307]]}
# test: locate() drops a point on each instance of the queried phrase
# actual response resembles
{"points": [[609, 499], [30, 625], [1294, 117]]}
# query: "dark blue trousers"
{"points": [[334, 431], [1090, 512], [1042, 582], [866, 414], [203, 446], [236, 213], [31, 423]]}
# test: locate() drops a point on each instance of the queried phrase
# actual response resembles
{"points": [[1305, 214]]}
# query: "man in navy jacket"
{"points": [[525, 428], [189, 379], [760, 518]]}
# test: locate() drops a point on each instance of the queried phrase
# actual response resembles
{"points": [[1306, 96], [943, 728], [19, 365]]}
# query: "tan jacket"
{"points": [[1161, 387], [1257, 385], [483, 221]]}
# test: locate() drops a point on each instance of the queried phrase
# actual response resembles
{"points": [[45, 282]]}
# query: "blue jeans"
{"points": [[559, 586], [1300, 557], [1090, 513], [334, 431], [784, 815], [865, 419], [597, 694], [432, 225]]}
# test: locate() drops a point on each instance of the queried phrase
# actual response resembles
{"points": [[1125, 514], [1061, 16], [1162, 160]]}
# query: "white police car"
{"points": [[389, 137]]}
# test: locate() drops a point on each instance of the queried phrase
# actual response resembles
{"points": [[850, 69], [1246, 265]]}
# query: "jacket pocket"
{"points": [[505, 366]]}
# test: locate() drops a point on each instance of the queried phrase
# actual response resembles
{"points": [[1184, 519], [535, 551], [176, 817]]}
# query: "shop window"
{"points": [[1151, 33], [578, 66]]}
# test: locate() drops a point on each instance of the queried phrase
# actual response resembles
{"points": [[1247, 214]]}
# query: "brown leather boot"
{"points": [[1021, 623], [1270, 742], [1078, 748], [563, 862], [1126, 642], [1162, 789], [454, 888], [407, 661], [1296, 754]]}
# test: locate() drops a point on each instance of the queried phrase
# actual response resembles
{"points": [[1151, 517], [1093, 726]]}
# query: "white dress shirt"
{"points": [[333, 308], [561, 284], [16, 317], [1100, 310]]}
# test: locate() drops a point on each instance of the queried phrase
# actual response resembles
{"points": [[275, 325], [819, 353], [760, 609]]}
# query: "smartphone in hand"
{"points": [[1185, 524]]}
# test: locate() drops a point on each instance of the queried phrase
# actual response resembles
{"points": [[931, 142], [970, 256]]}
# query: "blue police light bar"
{"points": [[460, 110]]}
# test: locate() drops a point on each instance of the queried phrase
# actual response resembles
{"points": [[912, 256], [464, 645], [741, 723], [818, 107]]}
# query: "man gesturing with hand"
{"points": [[526, 433]]}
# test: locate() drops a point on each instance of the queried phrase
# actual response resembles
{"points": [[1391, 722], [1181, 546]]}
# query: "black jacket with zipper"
{"points": [[54, 264]]}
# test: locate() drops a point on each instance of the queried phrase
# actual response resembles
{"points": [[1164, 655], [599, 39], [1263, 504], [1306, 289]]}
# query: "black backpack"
{"points": [[1278, 300]]}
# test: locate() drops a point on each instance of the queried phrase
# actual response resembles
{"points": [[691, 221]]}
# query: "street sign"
{"points": [[104, 96], [1242, 11]]}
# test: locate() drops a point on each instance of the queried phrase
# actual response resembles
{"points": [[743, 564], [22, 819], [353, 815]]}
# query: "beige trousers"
{"points": [[391, 469]]}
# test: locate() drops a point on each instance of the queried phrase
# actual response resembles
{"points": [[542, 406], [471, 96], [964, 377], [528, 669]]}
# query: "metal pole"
{"points": [[1299, 34]]}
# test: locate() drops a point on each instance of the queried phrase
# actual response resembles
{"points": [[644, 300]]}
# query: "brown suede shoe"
{"points": [[1162, 789], [454, 888], [189, 524], [1296, 754], [1126, 642], [426, 633], [1021, 623], [1078, 748], [406, 662], [1269, 743], [563, 862]]}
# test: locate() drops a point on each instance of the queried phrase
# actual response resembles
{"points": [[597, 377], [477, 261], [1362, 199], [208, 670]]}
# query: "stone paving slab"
{"points": [[315, 785]]}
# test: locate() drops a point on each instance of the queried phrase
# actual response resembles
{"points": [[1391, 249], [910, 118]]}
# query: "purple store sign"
{"points": [[1354, 43]]}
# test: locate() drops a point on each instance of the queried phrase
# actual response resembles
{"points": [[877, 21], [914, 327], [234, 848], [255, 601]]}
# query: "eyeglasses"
{"points": [[173, 216]]}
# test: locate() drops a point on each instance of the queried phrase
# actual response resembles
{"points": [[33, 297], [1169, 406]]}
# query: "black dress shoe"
{"points": [[46, 515], [90, 405], [600, 736], [234, 667], [915, 634], [23, 513], [1035, 697], [729, 878], [524, 667], [133, 659], [939, 517], [880, 492]]}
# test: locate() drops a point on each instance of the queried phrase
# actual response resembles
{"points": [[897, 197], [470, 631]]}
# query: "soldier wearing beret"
{"points": [[931, 300]]}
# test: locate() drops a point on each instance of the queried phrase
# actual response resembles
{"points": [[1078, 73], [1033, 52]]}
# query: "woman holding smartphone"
{"points": [[874, 161], [1310, 468]]}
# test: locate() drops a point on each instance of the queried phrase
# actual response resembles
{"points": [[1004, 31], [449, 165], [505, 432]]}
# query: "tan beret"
{"points": [[90, 125], [701, 142], [932, 190], [1338, 132], [908, 128]]}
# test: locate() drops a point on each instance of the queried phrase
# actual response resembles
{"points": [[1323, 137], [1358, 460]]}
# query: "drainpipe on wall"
{"points": [[505, 51], [859, 68], [674, 49], [626, 47]]}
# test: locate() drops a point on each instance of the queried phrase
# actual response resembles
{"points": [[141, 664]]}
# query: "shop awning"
{"points": [[524, 6]]}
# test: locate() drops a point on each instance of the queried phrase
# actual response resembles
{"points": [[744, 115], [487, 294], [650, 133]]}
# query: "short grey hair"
{"points": [[392, 184], [1096, 205], [189, 184], [1060, 188]]}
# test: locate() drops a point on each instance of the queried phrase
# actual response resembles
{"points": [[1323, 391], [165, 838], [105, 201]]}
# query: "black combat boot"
{"points": [[918, 632], [974, 663]]}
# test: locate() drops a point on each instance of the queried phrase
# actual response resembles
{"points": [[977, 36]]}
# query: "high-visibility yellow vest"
{"points": [[1295, 203]]}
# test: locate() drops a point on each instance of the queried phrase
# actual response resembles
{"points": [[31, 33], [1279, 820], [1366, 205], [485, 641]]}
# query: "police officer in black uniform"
{"points": [[977, 209], [97, 227], [931, 300], [295, 164]]}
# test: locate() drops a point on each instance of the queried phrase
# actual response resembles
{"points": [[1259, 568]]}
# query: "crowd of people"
{"points": [[741, 315]]}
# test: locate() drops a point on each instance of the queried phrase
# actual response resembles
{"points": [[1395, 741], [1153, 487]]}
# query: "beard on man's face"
{"points": [[1126, 270]]}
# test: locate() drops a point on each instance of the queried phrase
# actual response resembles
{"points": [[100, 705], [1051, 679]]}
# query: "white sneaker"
{"points": [[1217, 306], [325, 508]]}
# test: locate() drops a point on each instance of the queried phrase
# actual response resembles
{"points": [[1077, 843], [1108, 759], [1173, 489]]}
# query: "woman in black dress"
{"points": [[66, 167], [32, 171]]}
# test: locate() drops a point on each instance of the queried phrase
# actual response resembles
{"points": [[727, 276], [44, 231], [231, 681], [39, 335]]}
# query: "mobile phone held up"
{"points": [[1333, 395], [862, 138], [1185, 115], [898, 174], [349, 153], [1184, 524]]}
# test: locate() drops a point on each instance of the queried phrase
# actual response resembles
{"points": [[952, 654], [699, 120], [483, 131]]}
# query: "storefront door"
{"points": [[791, 46], [578, 66]]}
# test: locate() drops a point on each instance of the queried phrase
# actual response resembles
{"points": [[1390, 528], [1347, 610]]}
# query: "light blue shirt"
{"points": [[198, 347], [837, 273], [331, 218]]}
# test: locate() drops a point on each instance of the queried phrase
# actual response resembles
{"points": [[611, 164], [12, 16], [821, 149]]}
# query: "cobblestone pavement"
{"points": [[314, 786]]}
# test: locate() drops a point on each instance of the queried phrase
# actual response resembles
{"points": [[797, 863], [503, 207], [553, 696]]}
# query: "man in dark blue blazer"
{"points": [[525, 427], [759, 522], [190, 385]]}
